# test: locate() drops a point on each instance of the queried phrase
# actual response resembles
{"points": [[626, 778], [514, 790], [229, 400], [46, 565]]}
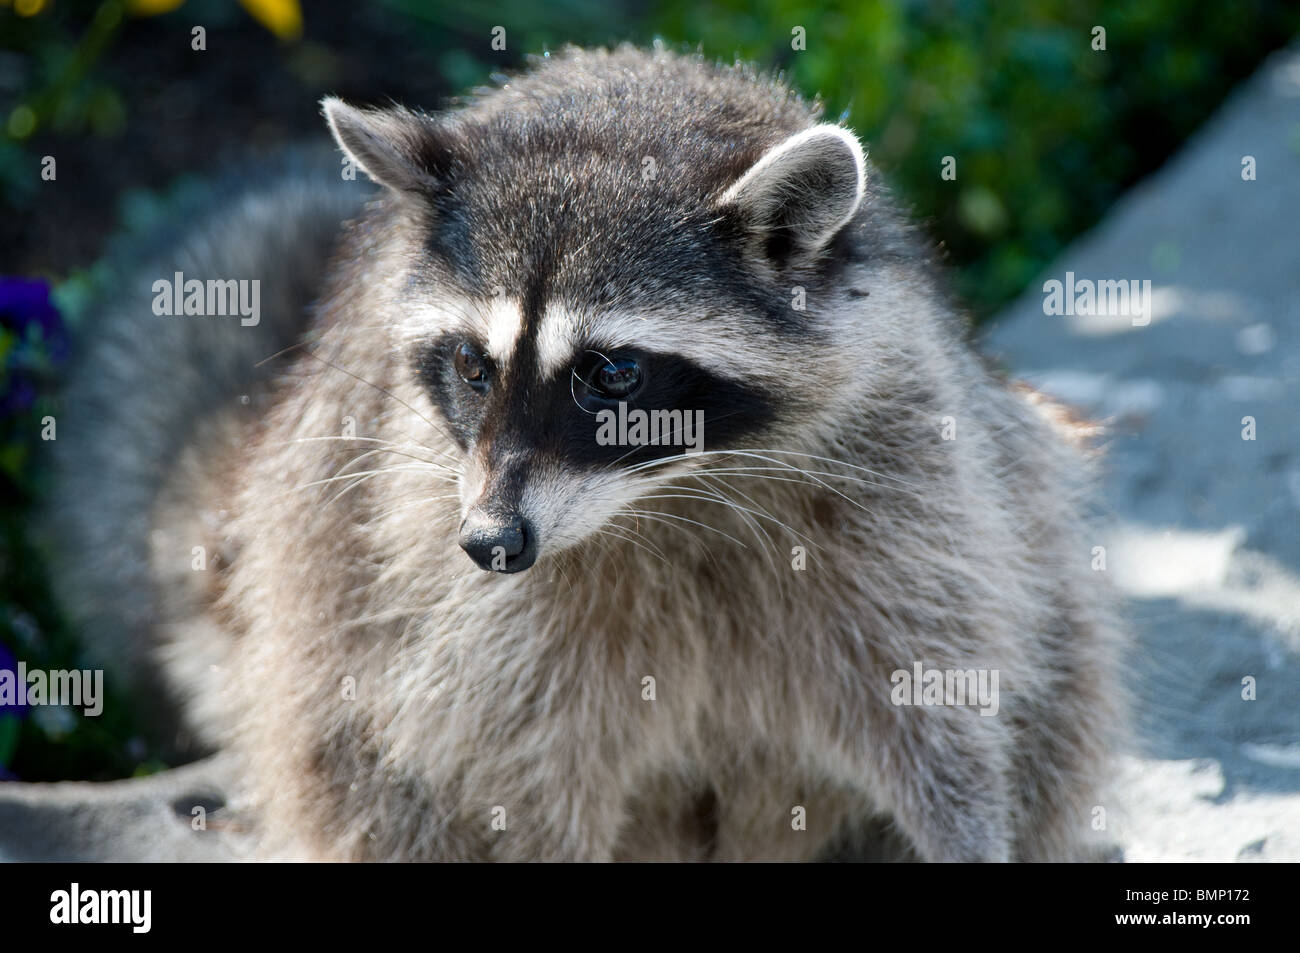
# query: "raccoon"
{"points": [[461, 602]]}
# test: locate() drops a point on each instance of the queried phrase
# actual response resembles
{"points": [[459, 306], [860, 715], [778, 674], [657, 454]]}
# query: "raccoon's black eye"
{"points": [[615, 378], [471, 367]]}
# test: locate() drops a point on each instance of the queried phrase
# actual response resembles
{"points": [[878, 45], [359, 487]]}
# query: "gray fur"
{"points": [[523, 219], [142, 386]]}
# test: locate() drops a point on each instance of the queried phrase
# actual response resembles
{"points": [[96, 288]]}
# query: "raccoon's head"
{"points": [[621, 263]]}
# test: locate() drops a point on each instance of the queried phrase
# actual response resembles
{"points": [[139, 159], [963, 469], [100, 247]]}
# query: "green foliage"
{"points": [[1046, 131]]}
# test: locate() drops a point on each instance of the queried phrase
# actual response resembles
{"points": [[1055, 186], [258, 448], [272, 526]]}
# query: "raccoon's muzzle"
{"points": [[498, 542]]}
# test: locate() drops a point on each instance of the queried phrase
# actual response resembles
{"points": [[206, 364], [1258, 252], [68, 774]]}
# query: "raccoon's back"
{"points": [[145, 387]]}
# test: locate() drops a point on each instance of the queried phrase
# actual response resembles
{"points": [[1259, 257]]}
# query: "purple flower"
{"points": [[24, 303], [34, 339], [10, 664]]}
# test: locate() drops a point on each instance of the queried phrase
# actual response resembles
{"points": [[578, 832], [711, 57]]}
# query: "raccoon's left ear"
{"points": [[397, 148], [798, 196]]}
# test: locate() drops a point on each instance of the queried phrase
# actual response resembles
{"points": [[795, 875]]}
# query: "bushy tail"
{"points": [[143, 384]]}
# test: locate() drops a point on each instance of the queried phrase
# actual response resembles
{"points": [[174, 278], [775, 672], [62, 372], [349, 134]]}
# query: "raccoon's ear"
{"points": [[801, 192], [397, 148]]}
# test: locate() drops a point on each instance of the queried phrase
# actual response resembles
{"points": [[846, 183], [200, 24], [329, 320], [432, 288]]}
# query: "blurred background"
{"points": [[1048, 132]]}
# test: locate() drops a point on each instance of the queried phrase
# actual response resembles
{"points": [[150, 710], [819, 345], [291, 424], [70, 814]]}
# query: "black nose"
{"points": [[498, 542]]}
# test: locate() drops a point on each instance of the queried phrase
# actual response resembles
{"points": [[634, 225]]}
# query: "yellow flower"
{"points": [[281, 17], [151, 8]]}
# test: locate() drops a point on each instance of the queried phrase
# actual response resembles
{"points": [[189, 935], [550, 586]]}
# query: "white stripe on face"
{"points": [[559, 338], [503, 318], [565, 335], [498, 322], [716, 343]]}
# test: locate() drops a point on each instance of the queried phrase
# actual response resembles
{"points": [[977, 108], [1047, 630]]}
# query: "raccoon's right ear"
{"points": [[399, 149], [801, 192]]}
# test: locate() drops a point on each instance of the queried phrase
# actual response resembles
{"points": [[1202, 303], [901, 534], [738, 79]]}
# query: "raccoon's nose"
{"points": [[498, 542]]}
